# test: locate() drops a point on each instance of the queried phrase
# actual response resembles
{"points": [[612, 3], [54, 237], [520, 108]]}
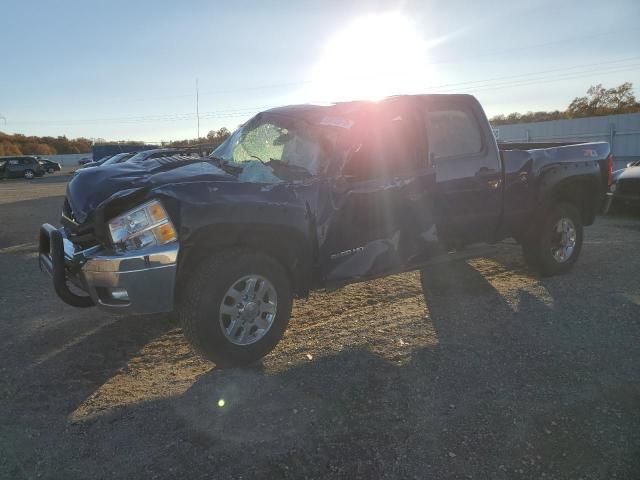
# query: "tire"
{"points": [[204, 317], [29, 174], [549, 251], [50, 170]]}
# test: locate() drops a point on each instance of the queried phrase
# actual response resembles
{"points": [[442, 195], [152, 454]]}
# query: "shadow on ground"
{"points": [[499, 375]]}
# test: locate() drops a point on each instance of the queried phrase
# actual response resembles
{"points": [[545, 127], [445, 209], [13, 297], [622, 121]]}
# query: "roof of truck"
{"points": [[315, 112]]}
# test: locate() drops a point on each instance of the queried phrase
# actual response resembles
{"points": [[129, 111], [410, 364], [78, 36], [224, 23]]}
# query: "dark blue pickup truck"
{"points": [[312, 197]]}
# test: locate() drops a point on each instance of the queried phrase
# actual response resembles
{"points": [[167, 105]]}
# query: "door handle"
{"points": [[485, 172], [489, 176]]}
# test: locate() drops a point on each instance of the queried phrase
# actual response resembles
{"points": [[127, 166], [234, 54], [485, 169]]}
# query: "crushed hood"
{"points": [[92, 186]]}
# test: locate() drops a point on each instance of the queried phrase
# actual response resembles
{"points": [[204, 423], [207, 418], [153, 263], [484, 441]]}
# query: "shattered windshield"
{"points": [[273, 148]]}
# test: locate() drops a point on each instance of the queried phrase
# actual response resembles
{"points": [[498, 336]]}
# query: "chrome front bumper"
{"points": [[121, 282]]}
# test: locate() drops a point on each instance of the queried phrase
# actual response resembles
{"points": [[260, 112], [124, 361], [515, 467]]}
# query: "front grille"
{"points": [[630, 186], [82, 235]]}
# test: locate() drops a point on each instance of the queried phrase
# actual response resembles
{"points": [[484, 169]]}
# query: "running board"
{"points": [[471, 251]]}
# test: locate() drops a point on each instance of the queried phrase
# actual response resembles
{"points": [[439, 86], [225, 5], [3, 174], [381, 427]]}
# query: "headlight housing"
{"points": [[143, 226]]}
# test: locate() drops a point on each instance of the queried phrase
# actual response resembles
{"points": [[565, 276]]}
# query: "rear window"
{"points": [[453, 132]]}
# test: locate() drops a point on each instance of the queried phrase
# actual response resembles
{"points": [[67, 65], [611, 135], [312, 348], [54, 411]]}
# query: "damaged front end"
{"points": [[117, 249], [137, 281]]}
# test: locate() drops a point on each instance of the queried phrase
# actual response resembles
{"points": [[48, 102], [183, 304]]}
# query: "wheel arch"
{"points": [[581, 193], [285, 244]]}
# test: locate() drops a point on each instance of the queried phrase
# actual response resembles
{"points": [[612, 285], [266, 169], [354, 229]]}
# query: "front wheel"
{"points": [[556, 243], [236, 307], [29, 174]]}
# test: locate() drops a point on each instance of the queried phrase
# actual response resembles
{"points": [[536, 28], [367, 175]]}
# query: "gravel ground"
{"points": [[499, 375]]}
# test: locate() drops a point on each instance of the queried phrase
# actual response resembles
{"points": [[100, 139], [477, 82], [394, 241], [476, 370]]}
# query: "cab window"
{"points": [[453, 132], [388, 148]]}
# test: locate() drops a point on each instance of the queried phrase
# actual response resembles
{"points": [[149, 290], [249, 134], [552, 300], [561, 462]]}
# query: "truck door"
{"points": [[467, 197], [378, 209]]}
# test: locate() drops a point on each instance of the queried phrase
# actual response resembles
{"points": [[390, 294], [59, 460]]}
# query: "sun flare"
{"points": [[374, 56]]}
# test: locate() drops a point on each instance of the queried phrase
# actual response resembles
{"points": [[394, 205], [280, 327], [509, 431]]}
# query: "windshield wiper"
{"points": [[274, 162], [225, 165]]}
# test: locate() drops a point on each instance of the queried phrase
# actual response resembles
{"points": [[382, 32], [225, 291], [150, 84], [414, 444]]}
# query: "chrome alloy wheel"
{"points": [[563, 241], [248, 310]]}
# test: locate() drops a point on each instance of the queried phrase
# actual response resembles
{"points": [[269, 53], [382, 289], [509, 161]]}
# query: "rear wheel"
{"points": [[236, 307], [50, 170], [556, 243], [29, 174]]}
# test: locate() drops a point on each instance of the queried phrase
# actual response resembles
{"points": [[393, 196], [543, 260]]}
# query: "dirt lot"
{"points": [[500, 375]]}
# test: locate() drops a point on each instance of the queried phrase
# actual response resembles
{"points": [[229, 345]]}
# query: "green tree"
{"points": [[597, 101], [603, 101], [216, 137]]}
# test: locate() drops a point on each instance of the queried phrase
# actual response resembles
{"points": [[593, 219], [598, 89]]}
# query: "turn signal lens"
{"points": [[165, 233], [156, 212]]}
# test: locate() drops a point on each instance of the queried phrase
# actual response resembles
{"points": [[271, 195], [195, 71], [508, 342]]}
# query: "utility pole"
{"points": [[198, 109]]}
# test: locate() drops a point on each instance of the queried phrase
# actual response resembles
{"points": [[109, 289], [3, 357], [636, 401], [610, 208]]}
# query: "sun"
{"points": [[374, 56]]}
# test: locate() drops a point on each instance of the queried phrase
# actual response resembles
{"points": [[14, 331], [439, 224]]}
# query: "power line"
{"points": [[537, 45], [462, 87], [574, 67], [568, 76], [307, 81]]}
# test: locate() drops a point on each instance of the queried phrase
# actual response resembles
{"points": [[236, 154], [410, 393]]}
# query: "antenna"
{"points": [[198, 107]]}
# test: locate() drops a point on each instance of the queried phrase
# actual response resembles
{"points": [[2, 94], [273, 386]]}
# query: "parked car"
{"points": [[97, 163], [617, 173], [625, 189], [20, 166], [49, 166], [312, 197], [84, 161]]}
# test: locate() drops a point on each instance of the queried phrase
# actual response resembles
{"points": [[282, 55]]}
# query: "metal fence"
{"points": [[621, 131]]}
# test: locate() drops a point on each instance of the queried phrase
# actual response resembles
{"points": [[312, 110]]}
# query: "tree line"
{"points": [[597, 102], [19, 144], [214, 137]]}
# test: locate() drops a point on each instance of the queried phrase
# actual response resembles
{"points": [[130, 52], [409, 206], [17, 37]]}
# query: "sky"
{"points": [[127, 70]]}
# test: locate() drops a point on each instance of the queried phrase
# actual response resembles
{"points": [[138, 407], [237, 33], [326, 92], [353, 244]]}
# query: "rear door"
{"points": [[467, 196], [14, 168]]}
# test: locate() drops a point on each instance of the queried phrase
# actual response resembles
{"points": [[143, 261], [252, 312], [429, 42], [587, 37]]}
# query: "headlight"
{"points": [[144, 226], [613, 187]]}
